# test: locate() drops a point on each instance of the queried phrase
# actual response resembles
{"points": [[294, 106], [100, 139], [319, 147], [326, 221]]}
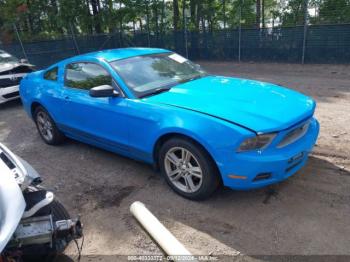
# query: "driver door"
{"points": [[100, 121]]}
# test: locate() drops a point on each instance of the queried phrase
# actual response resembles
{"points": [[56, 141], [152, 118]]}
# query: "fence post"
{"points": [[240, 31], [147, 23], [305, 30], [20, 42], [74, 40], [186, 37]]}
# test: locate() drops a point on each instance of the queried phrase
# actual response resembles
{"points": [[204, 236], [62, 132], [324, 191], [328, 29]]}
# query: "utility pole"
{"points": [[74, 40], [20, 42]]}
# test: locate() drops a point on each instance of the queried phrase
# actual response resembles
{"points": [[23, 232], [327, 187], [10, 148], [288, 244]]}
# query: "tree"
{"points": [[334, 11], [49, 19], [293, 13], [176, 17], [95, 4], [258, 13]]}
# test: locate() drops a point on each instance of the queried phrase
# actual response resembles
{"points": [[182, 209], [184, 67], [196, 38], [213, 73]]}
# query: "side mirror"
{"points": [[23, 61], [103, 91]]}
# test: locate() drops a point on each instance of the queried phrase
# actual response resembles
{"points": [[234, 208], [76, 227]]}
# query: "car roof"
{"points": [[117, 54]]}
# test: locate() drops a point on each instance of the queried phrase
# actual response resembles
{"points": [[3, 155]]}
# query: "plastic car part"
{"points": [[171, 246]]}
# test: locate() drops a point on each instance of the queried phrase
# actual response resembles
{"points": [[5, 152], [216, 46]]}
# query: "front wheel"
{"points": [[188, 169], [47, 127]]}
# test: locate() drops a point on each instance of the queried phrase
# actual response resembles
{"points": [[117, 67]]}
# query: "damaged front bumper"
{"points": [[9, 93]]}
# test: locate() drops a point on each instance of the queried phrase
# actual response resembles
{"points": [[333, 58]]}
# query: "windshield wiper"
{"points": [[156, 91]]}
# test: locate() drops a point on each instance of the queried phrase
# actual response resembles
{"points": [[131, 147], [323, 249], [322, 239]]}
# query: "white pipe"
{"points": [[171, 246]]}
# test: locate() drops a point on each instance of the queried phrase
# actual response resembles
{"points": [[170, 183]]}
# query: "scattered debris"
{"points": [[338, 135]]}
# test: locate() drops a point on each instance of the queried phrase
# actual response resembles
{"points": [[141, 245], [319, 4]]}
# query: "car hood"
{"points": [[261, 107]]}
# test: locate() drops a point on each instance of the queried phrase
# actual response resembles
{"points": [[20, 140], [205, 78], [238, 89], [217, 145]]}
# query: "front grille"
{"points": [[7, 82], [294, 135], [14, 94], [293, 166]]}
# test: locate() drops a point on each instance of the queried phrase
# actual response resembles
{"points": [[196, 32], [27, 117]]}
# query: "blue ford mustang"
{"points": [[154, 105]]}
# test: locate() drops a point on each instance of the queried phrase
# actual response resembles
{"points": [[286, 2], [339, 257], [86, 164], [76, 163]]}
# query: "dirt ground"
{"points": [[308, 214]]}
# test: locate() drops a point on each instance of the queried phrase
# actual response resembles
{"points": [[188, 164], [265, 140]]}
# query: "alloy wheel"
{"points": [[183, 169], [45, 126]]}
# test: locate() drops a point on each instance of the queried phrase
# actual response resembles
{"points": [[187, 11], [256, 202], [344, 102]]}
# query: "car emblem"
{"points": [[13, 78]]}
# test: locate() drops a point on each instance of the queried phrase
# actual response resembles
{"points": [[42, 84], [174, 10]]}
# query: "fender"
{"points": [[224, 119]]}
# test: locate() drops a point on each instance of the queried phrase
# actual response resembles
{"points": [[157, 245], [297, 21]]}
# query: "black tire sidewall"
{"points": [[210, 178], [57, 137], [46, 252]]}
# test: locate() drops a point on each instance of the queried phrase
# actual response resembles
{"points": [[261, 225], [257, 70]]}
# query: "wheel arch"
{"points": [[33, 107], [167, 136]]}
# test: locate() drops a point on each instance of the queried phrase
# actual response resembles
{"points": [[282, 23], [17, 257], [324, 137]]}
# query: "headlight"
{"points": [[256, 143]]}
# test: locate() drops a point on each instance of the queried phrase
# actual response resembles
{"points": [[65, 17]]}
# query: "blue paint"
{"points": [[217, 112]]}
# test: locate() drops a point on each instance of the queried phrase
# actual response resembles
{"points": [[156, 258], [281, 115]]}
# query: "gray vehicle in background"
{"points": [[12, 70]]}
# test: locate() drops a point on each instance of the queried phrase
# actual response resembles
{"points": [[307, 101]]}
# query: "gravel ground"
{"points": [[306, 215]]}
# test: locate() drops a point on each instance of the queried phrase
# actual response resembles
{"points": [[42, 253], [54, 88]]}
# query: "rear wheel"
{"points": [[47, 127], [188, 169]]}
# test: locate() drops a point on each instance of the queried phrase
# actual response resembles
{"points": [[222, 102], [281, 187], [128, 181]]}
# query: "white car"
{"points": [[33, 223], [12, 71]]}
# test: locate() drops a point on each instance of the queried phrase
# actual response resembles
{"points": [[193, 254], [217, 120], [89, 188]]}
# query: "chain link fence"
{"points": [[323, 44], [307, 37]]}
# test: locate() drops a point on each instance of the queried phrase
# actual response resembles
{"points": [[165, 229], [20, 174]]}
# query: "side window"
{"points": [[86, 76], [51, 74]]}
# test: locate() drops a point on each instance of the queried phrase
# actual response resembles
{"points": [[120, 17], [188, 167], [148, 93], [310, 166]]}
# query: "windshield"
{"points": [[147, 75], [7, 58]]}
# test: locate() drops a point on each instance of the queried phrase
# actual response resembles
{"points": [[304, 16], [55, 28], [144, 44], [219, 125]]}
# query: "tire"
{"points": [[45, 252], [180, 168], [59, 213], [47, 127]]}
